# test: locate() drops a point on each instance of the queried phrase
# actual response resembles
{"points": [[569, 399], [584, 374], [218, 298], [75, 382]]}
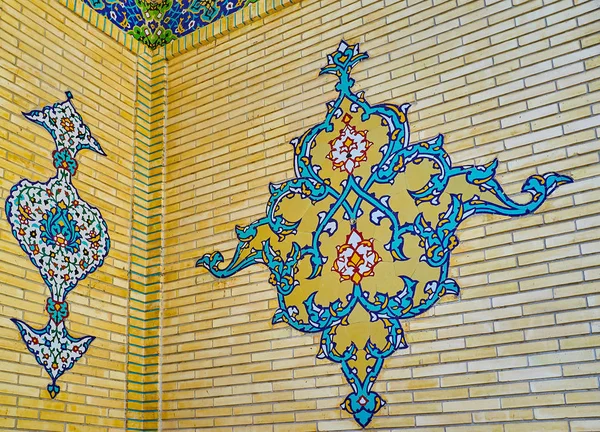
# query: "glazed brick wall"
{"points": [[45, 50], [513, 80], [519, 351]]}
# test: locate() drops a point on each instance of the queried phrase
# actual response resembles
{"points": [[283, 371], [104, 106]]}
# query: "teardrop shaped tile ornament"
{"points": [[64, 237]]}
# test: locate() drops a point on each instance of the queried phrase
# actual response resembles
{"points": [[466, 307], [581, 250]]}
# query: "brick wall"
{"points": [[146, 248], [179, 350], [519, 82], [45, 50]]}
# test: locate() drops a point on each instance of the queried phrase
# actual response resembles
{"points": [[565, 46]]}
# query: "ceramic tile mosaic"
{"points": [[361, 239], [65, 237]]}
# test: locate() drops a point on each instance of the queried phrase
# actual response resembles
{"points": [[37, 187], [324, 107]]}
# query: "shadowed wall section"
{"points": [[43, 47]]}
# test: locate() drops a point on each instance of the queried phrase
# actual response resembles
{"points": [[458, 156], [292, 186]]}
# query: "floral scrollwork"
{"points": [[361, 238]]}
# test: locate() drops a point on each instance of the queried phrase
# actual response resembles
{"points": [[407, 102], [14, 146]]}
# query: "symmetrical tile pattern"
{"points": [[158, 22], [361, 238], [64, 237], [516, 80], [37, 67]]}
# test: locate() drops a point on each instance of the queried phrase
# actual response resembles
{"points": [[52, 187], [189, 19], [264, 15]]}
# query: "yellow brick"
{"points": [[442, 419], [584, 425], [565, 412], [536, 400], [546, 425], [445, 394]]}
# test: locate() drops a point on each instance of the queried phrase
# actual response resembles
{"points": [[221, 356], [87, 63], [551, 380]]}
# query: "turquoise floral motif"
{"points": [[63, 159], [58, 311], [59, 230], [64, 237], [364, 178]]}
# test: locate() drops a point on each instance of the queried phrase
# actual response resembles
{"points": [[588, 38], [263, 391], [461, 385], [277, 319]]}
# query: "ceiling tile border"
{"points": [[221, 27]]}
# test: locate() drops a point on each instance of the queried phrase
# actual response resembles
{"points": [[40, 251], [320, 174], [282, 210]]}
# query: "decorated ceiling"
{"points": [[158, 22]]}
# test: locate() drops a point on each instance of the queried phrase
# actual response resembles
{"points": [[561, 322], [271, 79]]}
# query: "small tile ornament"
{"points": [[64, 237], [361, 238]]}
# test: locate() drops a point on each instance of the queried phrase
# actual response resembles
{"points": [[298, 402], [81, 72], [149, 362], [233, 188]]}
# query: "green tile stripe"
{"points": [[143, 383]]}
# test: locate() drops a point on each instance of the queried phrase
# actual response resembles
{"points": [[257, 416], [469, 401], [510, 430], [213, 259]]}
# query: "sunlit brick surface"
{"points": [[518, 82]]}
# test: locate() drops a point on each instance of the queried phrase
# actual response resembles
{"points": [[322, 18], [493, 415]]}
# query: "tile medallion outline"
{"points": [[158, 22], [64, 237], [361, 239]]}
